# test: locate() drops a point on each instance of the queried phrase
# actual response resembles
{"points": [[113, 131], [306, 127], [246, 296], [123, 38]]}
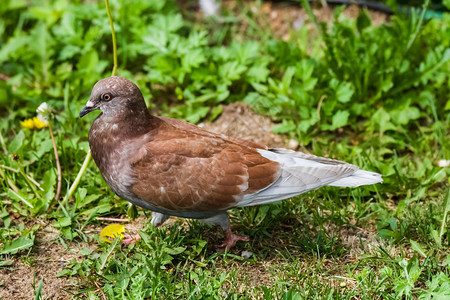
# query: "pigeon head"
{"points": [[115, 96]]}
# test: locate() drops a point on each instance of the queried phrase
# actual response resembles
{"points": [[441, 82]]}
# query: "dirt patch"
{"points": [[283, 17], [47, 259], [239, 120]]}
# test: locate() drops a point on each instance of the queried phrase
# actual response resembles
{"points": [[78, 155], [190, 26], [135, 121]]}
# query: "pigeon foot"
{"points": [[130, 239], [231, 240]]}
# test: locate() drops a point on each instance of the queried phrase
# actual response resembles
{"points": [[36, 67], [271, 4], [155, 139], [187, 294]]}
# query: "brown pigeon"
{"points": [[175, 168]]}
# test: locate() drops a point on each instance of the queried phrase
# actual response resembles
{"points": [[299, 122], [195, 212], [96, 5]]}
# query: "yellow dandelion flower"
{"points": [[39, 124], [28, 124], [33, 123], [110, 232]]}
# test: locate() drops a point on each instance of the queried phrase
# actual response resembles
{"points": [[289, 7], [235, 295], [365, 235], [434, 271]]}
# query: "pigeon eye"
{"points": [[106, 97]]}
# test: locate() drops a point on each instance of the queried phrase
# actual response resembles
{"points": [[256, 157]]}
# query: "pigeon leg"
{"points": [[222, 220], [130, 239], [158, 219], [231, 239]]}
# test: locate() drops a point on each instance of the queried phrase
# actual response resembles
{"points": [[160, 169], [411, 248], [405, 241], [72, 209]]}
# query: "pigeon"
{"points": [[175, 168]]}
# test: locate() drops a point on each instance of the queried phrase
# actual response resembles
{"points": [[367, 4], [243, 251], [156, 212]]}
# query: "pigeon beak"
{"points": [[87, 109]]}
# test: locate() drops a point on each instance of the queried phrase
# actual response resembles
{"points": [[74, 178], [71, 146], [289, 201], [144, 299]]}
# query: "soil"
{"points": [[239, 120], [47, 259], [284, 17]]}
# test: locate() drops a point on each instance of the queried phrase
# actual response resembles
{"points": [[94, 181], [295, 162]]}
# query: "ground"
{"points": [[49, 257]]}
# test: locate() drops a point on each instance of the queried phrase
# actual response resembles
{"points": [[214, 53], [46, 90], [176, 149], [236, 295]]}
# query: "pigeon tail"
{"points": [[358, 178], [302, 172]]}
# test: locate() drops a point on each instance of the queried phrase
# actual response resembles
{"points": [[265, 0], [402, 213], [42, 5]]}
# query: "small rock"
{"points": [[246, 254], [443, 163], [292, 144], [298, 23]]}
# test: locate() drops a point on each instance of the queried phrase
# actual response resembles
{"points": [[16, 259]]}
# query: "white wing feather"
{"points": [[302, 172]]}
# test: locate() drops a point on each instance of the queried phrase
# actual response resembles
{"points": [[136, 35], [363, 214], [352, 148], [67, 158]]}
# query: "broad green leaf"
{"points": [[363, 21], [403, 116], [17, 142], [418, 248], [285, 127], [215, 112], [382, 119], [174, 251], [447, 105], [63, 222], [258, 74], [339, 119], [21, 243], [5, 263], [344, 92]]}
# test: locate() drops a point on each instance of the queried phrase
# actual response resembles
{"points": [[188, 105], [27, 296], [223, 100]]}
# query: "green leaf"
{"points": [[168, 23], [17, 142], [231, 70], [403, 116], [20, 196], [44, 147], [258, 74], [215, 112], [63, 222], [345, 92], [5, 263], [446, 3], [174, 251], [447, 105], [340, 119], [21, 243], [197, 114], [385, 234], [285, 127], [39, 290], [418, 248], [363, 21], [382, 119]]}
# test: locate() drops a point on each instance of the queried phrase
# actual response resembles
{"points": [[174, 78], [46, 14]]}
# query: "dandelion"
{"points": [[44, 112], [110, 232], [43, 119], [34, 123]]}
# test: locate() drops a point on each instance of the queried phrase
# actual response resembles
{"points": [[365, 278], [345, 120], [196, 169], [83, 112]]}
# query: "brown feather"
{"points": [[175, 171]]}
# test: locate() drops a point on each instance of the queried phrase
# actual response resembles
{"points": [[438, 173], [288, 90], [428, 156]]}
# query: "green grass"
{"points": [[373, 96]]}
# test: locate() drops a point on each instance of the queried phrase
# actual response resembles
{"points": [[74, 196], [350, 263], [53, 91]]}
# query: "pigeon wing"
{"points": [[186, 170]]}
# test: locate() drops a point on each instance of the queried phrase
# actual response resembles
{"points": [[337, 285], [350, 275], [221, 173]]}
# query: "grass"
{"points": [[373, 96]]}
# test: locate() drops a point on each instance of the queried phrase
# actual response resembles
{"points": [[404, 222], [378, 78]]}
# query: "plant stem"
{"points": [[311, 15], [77, 180], [17, 171], [108, 254], [58, 166], [419, 25], [444, 218], [108, 11], [9, 181], [113, 73], [22, 172], [2, 142]]}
